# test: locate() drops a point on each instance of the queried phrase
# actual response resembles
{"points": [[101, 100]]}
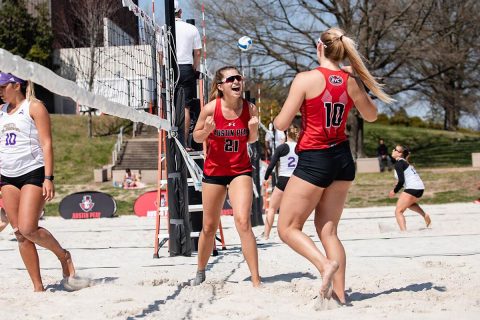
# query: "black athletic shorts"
{"points": [[414, 192], [223, 180], [188, 82], [35, 177], [282, 182], [322, 167]]}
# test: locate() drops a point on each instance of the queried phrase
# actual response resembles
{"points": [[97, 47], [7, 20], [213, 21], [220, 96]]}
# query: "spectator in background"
{"points": [[188, 41], [130, 180], [383, 156]]}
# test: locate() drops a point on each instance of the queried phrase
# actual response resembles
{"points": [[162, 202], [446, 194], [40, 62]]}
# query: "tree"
{"points": [[82, 25], [285, 35], [25, 35], [452, 35], [41, 50]]}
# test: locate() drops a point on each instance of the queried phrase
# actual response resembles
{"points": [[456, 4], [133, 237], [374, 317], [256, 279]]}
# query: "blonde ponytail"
{"points": [[340, 47], [30, 91]]}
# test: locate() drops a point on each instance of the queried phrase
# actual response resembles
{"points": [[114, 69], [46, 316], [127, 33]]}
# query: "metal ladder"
{"points": [[162, 238]]}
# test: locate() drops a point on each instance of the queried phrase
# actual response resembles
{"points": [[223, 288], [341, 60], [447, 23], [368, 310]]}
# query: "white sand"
{"points": [[422, 274]]}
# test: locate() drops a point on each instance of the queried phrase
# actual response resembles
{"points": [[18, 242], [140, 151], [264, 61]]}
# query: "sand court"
{"points": [[426, 273]]}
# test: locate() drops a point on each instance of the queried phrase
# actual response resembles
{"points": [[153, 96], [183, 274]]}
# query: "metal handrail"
{"points": [[117, 147]]}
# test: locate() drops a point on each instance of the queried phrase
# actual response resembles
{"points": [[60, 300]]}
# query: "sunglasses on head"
{"points": [[319, 41], [231, 79]]}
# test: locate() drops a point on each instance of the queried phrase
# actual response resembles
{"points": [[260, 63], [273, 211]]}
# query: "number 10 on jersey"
{"points": [[11, 139], [333, 114]]}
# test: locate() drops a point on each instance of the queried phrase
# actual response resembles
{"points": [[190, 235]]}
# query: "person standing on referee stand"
{"points": [[188, 41]]}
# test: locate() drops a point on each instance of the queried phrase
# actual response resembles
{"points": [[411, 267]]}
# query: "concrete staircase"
{"points": [[140, 155]]}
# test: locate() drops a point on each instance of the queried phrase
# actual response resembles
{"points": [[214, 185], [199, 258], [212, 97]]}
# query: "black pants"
{"points": [[187, 82]]}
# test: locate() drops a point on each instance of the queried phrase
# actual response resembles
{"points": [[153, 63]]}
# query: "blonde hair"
{"points": [[339, 47], [30, 94], [28, 90], [217, 79]]}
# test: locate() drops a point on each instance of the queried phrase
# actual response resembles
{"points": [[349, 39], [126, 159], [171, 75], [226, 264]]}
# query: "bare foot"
{"points": [[326, 288], [428, 221], [338, 300], [199, 278], [38, 289], [256, 282], [68, 268]]}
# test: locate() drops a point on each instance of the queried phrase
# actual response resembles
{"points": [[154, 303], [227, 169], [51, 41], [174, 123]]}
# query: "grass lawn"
{"points": [[430, 148], [76, 156], [441, 186]]}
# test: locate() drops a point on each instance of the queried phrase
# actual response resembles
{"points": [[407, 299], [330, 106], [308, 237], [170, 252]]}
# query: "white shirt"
{"points": [[187, 39], [412, 179], [288, 162], [20, 150]]}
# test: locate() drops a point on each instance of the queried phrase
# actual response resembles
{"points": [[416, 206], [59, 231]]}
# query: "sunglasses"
{"points": [[231, 79], [395, 149], [319, 41]]}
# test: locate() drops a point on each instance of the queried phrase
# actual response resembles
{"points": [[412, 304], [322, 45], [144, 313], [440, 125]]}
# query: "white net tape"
{"points": [[195, 171], [48, 79]]}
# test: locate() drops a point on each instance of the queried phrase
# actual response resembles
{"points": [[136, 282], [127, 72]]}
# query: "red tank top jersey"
{"points": [[227, 153], [325, 116]]}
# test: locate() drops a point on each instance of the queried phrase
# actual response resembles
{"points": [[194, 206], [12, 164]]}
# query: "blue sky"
{"points": [[186, 6]]}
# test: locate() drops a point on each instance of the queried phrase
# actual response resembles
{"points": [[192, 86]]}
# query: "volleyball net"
{"points": [[124, 75], [114, 72]]}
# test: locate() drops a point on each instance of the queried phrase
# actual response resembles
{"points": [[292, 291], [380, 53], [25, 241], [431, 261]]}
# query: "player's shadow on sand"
{"points": [[92, 282], [287, 277], [155, 305], [358, 296]]}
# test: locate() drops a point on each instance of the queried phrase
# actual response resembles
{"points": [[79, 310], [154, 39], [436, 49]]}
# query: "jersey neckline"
{"points": [[16, 110], [221, 111], [323, 75]]}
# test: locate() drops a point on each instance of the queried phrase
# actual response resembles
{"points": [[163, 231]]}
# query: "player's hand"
{"points": [[209, 124], [391, 194], [253, 123], [48, 190]]}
